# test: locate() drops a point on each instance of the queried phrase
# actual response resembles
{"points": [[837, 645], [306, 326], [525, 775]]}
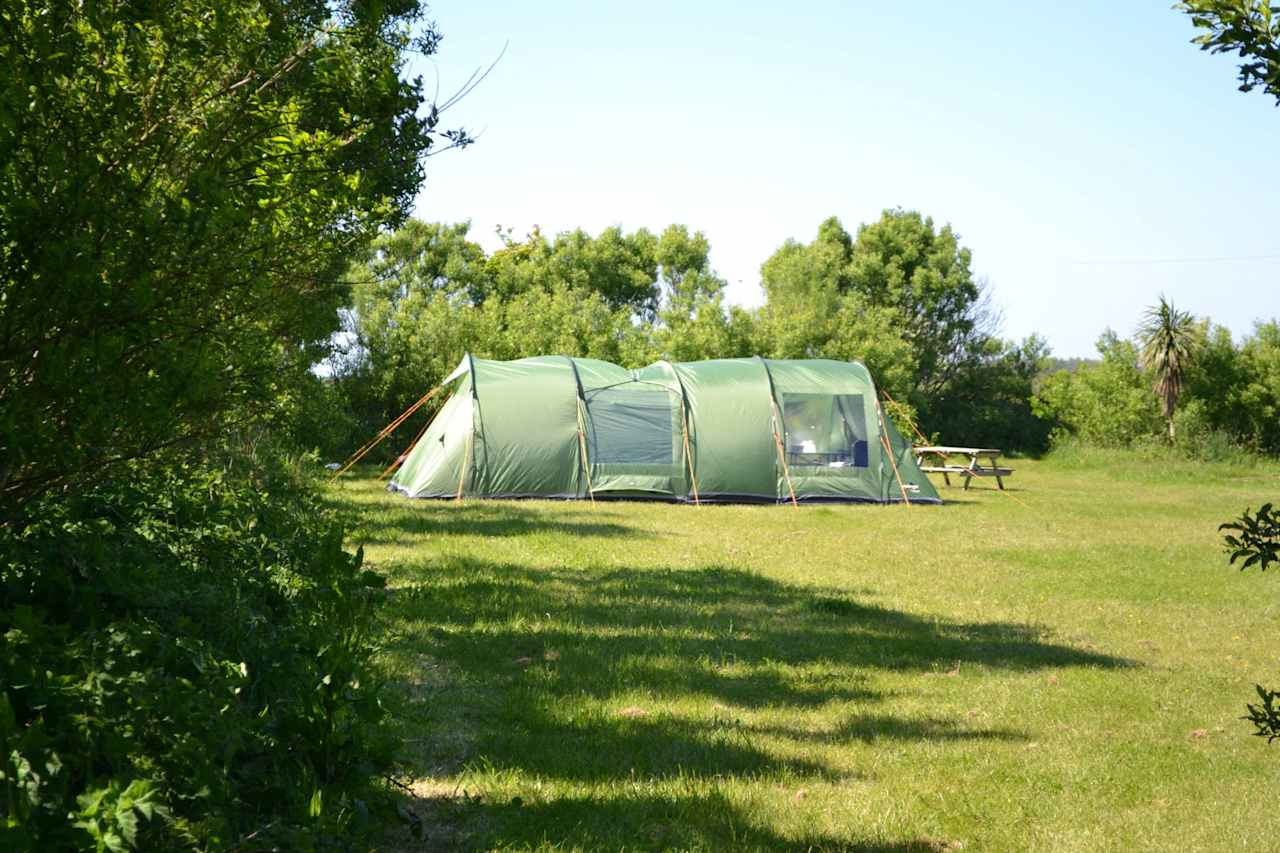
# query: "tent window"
{"points": [[631, 427], [825, 430]]}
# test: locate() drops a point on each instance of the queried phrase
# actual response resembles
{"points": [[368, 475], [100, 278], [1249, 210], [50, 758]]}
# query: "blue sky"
{"points": [[1088, 154]]}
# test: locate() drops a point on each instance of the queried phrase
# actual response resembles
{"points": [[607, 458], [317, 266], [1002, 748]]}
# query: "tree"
{"points": [[916, 279], [189, 653], [416, 299], [1258, 395], [901, 297], [425, 295], [692, 322], [992, 397], [903, 262], [620, 267], [1106, 402], [562, 320], [181, 187], [1250, 29], [1169, 339], [804, 285]]}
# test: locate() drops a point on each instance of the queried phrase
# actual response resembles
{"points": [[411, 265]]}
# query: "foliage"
{"points": [[901, 262], [561, 320], [1213, 385], [901, 298], [1230, 395], [621, 268], [186, 656], [692, 322], [186, 662], [417, 306], [1257, 396], [425, 295], [1169, 341], [1198, 437], [1256, 538], [1248, 28], [160, 275], [1266, 715], [914, 278], [811, 313], [1105, 403], [992, 398]]}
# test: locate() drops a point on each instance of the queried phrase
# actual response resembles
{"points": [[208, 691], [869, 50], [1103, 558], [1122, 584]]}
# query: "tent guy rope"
{"points": [[884, 439], [386, 431]]}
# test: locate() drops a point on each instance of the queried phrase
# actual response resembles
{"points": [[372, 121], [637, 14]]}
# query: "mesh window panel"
{"points": [[631, 427], [825, 430]]}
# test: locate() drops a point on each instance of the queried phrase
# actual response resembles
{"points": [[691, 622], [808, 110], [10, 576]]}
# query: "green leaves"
{"points": [[1256, 539], [230, 159], [160, 666], [1108, 402], [110, 815], [1169, 340], [1266, 715], [1248, 28]]}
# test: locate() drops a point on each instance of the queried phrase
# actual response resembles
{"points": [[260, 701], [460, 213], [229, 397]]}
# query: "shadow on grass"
{"points": [[405, 520], [687, 822], [870, 728], [567, 673]]}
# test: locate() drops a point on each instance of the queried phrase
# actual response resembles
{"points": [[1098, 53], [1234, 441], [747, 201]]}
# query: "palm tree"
{"points": [[1169, 339]]}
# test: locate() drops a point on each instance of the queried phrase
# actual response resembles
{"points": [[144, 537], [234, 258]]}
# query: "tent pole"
{"points": [[884, 439], [777, 432], [688, 456], [586, 463], [386, 431], [782, 455], [466, 454]]}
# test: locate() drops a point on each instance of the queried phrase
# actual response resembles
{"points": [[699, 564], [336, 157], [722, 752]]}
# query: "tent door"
{"points": [[634, 439]]}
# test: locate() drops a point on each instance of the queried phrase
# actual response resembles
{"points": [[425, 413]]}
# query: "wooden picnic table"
{"points": [[941, 456]]}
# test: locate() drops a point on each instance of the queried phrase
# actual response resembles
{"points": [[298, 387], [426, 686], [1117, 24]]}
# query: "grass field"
{"points": [[1059, 667]]}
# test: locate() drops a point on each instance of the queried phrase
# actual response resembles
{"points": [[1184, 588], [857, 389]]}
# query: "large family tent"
{"points": [[746, 429]]}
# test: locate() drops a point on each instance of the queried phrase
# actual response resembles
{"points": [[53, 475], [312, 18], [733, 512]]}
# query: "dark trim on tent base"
{"points": [[674, 499]]}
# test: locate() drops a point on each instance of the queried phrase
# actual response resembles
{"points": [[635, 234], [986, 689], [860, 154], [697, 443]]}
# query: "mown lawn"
{"points": [[1059, 667]]}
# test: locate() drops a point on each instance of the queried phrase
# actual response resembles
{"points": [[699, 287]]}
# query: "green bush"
{"points": [[1198, 438], [1108, 403], [187, 663]]}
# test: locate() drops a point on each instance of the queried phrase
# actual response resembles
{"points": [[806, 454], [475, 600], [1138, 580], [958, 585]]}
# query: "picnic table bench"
{"points": [[938, 460]]}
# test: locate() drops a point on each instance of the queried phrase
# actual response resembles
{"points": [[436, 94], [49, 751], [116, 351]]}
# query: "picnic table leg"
{"points": [[946, 478], [995, 467]]}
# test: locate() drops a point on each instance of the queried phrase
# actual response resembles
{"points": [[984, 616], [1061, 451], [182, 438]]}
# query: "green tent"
{"points": [[745, 429]]}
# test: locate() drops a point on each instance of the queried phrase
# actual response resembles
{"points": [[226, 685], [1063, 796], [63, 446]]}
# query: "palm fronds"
{"points": [[1169, 339]]}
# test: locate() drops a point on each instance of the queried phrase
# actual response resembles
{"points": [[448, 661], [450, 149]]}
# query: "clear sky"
{"points": [[1088, 154]]}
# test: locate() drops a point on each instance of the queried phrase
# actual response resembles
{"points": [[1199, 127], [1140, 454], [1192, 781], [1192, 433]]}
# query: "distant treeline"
{"points": [[898, 294]]}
